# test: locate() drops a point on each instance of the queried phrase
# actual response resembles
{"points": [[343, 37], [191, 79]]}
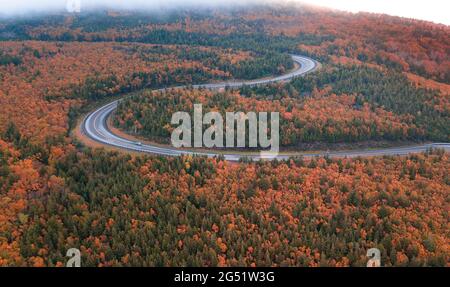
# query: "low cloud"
{"points": [[431, 10], [21, 7]]}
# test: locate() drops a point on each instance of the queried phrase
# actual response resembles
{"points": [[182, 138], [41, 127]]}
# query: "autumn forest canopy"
{"points": [[382, 81]]}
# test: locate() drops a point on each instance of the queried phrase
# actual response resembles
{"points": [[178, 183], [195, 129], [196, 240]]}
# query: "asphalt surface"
{"points": [[95, 127]]}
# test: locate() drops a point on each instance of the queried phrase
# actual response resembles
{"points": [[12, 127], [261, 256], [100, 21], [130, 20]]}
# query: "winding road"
{"points": [[95, 127]]}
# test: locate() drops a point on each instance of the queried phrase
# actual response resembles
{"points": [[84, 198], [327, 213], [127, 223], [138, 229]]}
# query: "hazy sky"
{"points": [[432, 10]]}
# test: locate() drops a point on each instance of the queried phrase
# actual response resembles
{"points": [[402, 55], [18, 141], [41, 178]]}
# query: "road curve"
{"points": [[95, 127]]}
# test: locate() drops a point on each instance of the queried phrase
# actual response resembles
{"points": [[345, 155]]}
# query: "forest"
{"points": [[392, 91], [83, 73], [401, 44], [343, 104], [383, 80], [328, 119], [141, 211]]}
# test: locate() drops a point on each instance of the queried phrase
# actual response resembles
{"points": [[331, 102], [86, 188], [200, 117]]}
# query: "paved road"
{"points": [[95, 127]]}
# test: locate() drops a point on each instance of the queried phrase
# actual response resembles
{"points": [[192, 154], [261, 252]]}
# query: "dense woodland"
{"points": [[422, 107], [382, 79], [410, 46], [138, 211], [53, 79], [322, 118], [342, 104]]}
